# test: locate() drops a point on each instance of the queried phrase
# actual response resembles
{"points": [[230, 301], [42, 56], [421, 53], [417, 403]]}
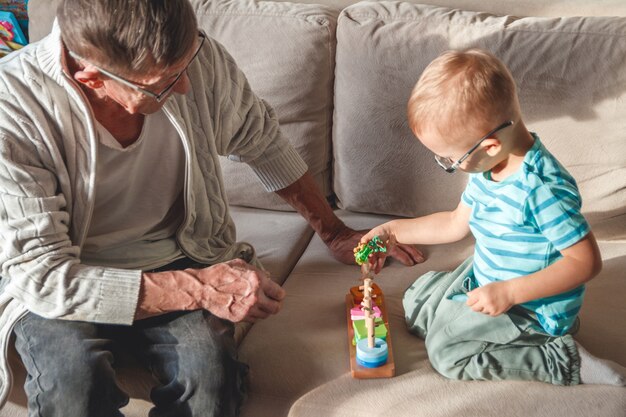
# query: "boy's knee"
{"points": [[448, 356], [445, 368], [442, 363]]}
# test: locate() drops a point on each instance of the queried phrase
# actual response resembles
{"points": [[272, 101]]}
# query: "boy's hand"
{"points": [[406, 254], [492, 299], [383, 233], [344, 242]]}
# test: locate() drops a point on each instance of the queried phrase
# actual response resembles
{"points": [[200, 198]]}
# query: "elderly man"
{"points": [[115, 228]]}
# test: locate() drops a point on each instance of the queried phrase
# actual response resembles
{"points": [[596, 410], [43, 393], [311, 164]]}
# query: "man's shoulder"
{"points": [[31, 84], [215, 53], [12, 71], [23, 80]]}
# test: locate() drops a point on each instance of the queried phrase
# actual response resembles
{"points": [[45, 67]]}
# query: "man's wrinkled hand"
{"points": [[233, 290], [229, 289], [269, 300]]}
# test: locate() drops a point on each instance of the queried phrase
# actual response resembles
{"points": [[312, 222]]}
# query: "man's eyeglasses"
{"points": [[157, 96], [450, 166]]}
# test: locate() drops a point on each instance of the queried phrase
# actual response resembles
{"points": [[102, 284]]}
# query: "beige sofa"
{"points": [[339, 80]]}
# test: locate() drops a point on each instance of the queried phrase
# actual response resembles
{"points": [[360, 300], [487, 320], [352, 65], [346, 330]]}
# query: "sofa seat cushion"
{"points": [[279, 238], [571, 78], [300, 362], [418, 390]]}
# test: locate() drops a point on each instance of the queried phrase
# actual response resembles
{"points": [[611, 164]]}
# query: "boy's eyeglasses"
{"points": [[157, 96], [450, 166]]}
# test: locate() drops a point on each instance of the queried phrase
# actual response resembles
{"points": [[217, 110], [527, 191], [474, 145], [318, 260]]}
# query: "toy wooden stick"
{"points": [[361, 256], [369, 318]]}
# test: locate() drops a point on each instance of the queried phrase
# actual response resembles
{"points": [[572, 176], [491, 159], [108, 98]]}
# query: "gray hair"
{"points": [[129, 36]]}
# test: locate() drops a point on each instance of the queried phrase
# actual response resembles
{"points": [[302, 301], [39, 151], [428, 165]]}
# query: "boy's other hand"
{"points": [[492, 299]]}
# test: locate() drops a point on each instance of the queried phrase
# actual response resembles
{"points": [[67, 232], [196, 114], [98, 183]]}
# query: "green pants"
{"points": [[463, 344]]}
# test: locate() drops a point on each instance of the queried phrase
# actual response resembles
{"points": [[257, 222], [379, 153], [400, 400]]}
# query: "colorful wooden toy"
{"points": [[369, 339]]}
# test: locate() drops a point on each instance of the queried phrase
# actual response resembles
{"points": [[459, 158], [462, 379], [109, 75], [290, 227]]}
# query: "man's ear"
{"points": [[492, 146], [90, 77]]}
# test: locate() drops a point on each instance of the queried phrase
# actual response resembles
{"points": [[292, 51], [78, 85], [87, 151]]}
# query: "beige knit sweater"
{"points": [[48, 148]]}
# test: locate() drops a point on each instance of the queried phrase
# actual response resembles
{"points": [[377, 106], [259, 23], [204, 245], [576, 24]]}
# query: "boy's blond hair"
{"points": [[461, 90]]}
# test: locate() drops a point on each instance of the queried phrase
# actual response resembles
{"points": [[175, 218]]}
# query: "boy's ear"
{"points": [[90, 77], [492, 146]]}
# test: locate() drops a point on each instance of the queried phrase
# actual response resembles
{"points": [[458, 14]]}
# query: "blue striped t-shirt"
{"points": [[521, 224]]}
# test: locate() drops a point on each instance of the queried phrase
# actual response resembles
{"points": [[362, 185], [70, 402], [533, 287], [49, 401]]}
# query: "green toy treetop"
{"points": [[364, 250]]}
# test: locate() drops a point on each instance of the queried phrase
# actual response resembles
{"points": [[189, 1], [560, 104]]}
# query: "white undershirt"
{"points": [[139, 204]]}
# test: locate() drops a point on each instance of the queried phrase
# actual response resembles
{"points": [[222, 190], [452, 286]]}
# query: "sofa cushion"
{"points": [[287, 52], [571, 75], [279, 239], [305, 346]]}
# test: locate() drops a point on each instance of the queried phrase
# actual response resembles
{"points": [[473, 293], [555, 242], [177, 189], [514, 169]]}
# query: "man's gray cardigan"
{"points": [[48, 148]]}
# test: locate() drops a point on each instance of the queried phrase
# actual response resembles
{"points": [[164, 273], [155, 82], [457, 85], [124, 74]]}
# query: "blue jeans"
{"points": [[71, 365]]}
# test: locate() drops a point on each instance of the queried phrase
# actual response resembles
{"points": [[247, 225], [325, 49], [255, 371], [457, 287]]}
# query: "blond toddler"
{"points": [[509, 311]]}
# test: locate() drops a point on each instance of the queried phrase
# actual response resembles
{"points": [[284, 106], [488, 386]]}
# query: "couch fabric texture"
{"points": [[339, 76]]}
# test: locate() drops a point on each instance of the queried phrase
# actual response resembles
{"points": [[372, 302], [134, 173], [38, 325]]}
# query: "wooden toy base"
{"points": [[387, 370]]}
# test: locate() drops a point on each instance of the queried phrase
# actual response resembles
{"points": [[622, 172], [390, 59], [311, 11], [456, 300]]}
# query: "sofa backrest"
{"points": [[571, 76], [543, 8], [41, 12]]}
